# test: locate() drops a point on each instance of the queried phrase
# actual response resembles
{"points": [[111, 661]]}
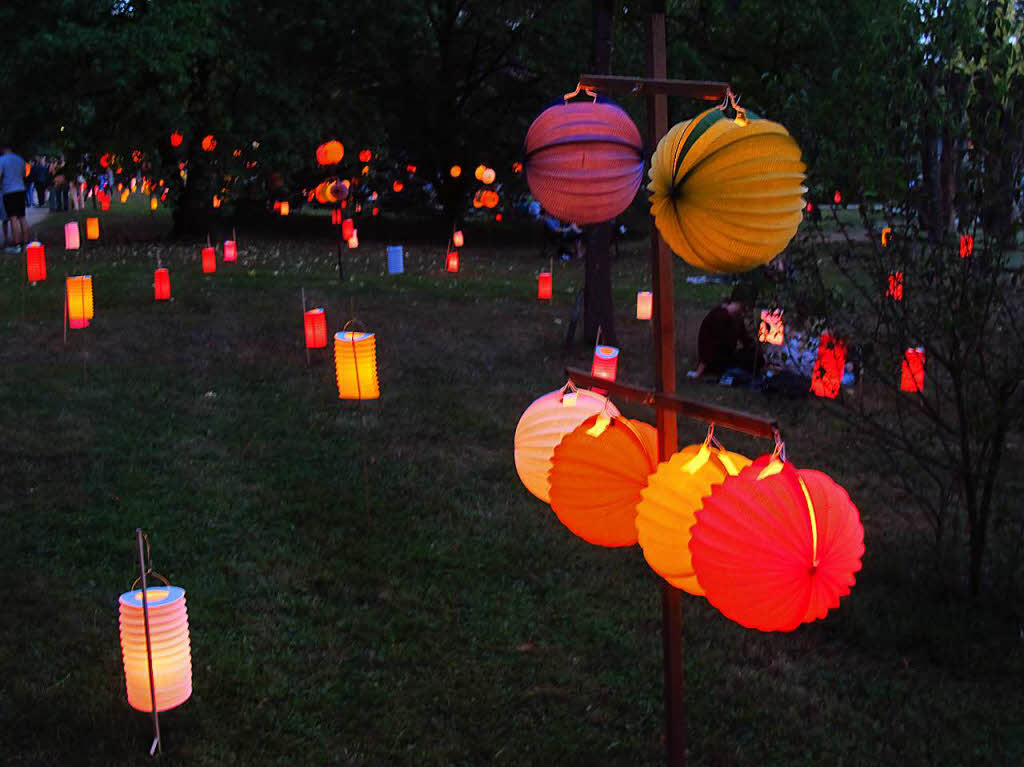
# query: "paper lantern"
{"points": [[365, 156], [355, 365], [774, 546], [92, 228], [895, 289], [316, 328], [336, 217], [597, 475], [374, 211], [105, 202], [153, 203], [488, 176], [886, 236], [668, 504], [837, 197], [126, 193], [176, 139], [455, 171], [584, 161], [285, 208], [353, 241], [330, 153], [348, 228], [517, 167], [452, 262], [828, 369], [966, 245], [457, 238], [161, 285], [216, 201], [606, 362], [209, 260], [544, 286], [543, 425], [395, 259], [79, 301], [71, 236], [644, 304], [725, 197], [209, 143], [912, 370], [479, 172], [398, 186], [35, 261], [230, 251], [170, 649], [772, 330]]}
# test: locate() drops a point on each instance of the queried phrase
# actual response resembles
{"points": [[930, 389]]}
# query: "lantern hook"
{"points": [[780, 445], [580, 88], [148, 564]]}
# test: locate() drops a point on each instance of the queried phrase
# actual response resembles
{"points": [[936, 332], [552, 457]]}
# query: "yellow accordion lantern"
{"points": [[726, 194], [355, 365]]}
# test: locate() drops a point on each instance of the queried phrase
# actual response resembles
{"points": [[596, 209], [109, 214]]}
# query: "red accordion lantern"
{"points": [[230, 251], [544, 286], [336, 217], [35, 261], [912, 370], [348, 228], [584, 161], [316, 328], [452, 262], [606, 362], [209, 260], [828, 370], [161, 285]]}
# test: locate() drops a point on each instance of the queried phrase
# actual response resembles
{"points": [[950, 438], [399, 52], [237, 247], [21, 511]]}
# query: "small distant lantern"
{"points": [[230, 251], [365, 156], [153, 203], [176, 139], [316, 328], [498, 217], [828, 369], [348, 228], [355, 365], [912, 370], [105, 202], [365, 171], [161, 285], [35, 261], [544, 286], [886, 236], [79, 301], [837, 197], [772, 329], [895, 289], [458, 239], [353, 241], [395, 259], [375, 211], [169, 648], [336, 217], [209, 260], [285, 208], [452, 262], [71, 236], [330, 153], [488, 176], [124, 196], [644, 304], [606, 362], [966, 245], [517, 167], [209, 143], [398, 186], [216, 202], [479, 172], [92, 228], [456, 171]]}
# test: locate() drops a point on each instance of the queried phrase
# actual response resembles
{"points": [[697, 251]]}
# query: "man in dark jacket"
{"points": [[723, 342]]}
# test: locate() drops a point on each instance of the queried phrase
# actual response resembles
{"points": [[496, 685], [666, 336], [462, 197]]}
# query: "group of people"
{"points": [[48, 183], [12, 211]]}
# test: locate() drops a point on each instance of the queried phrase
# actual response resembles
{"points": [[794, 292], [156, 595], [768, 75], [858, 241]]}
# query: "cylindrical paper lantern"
{"points": [[774, 547], [353, 241], [597, 475], [458, 239], [348, 228], [316, 328], [452, 262], [828, 370], [285, 208], [895, 289], [542, 426], [668, 504], [395, 259], [170, 649], [79, 300], [71, 236], [104, 205], [544, 286], [336, 216], [209, 260], [912, 370], [644, 304], [727, 197], [162, 284], [355, 365], [35, 261], [230, 251], [153, 204], [606, 362], [584, 161], [92, 228]]}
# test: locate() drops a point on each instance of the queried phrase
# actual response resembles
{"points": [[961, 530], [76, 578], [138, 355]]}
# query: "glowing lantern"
{"points": [[597, 473], [458, 239], [606, 362], [353, 241], [542, 426], [966, 245], [774, 546], [92, 228], [330, 153], [209, 260], [79, 299], [71, 236], [105, 202], [497, 217], [35, 261], [285, 208], [230, 251], [828, 370], [479, 172], [216, 201], [170, 649], [161, 285], [374, 211], [398, 186], [886, 236], [365, 156], [584, 161], [366, 170], [488, 176], [348, 228], [176, 139], [837, 198], [355, 365], [124, 196], [544, 286], [668, 504], [336, 217], [895, 290], [105, 160], [209, 143], [517, 167], [410, 168], [395, 259], [456, 171], [452, 262], [725, 197], [644, 304], [912, 370], [772, 330], [316, 328]]}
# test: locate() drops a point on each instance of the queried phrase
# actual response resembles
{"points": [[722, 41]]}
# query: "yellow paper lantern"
{"points": [[668, 506], [153, 203], [727, 197], [355, 365], [79, 301], [169, 644]]}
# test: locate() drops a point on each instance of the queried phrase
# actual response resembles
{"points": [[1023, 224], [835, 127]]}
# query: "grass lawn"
{"points": [[371, 584]]}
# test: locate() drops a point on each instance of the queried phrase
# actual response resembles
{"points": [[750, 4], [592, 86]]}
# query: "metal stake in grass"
{"points": [[305, 342], [143, 570]]}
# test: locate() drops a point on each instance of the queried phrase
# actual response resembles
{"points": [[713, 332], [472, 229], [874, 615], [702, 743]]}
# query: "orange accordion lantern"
{"points": [[355, 365], [169, 648], [544, 286], [606, 362], [584, 161], [828, 369], [330, 153], [230, 251], [72, 240], [348, 228], [774, 546], [457, 239], [912, 370], [161, 285], [315, 321], [597, 473], [92, 228], [153, 204], [79, 301], [543, 425], [285, 208], [35, 261], [644, 304], [452, 262], [209, 260]]}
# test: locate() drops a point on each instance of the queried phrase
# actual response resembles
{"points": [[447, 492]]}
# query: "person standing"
{"points": [[12, 187], [41, 179]]}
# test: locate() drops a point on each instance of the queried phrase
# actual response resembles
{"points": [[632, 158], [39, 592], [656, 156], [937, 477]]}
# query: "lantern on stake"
{"points": [[912, 370], [285, 208], [209, 259], [644, 304], [544, 286], [606, 362], [161, 284], [71, 236], [458, 239], [78, 294], [92, 228], [315, 321], [488, 176], [35, 261], [230, 250], [355, 364], [452, 262], [828, 369]]}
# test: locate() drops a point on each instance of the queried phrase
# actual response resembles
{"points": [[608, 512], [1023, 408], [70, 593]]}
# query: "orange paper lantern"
{"points": [[644, 304], [230, 251], [597, 473], [153, 203], [35, 261], [828, 370], [452, 262], [169, 648], [365, 156], [71, 235], [544, 286], [315, 321], [209, 260], [92, 228], [455, 171], [161, 285], [330, 153], [895, 289], [912, 370], [285, 208], [355, 365], [457, 238], [479, 172], [78, 293], [209, 143], [606, 362]]}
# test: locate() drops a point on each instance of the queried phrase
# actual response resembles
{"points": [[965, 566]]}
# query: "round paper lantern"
{"points": [[209, 143], [727, 197], [365, 155], [479, 172], [315, 322], [79, 301], [330, 153], [170, 649], [35, 261], [774, 546], [176, 139], [668, 504], [597, 475], [161, 285], [584, 161], [455, 171], [542, 426], [355, 365]]}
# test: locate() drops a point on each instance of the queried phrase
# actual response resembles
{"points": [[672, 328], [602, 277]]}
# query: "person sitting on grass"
{"points": [[568, 236], [723, 343]]}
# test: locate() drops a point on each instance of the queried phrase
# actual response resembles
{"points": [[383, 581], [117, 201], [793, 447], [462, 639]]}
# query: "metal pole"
{"points": [[155, 747]]}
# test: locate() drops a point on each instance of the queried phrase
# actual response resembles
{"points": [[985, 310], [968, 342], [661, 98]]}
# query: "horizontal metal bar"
{"points": [[698, 411], [694, 89]]}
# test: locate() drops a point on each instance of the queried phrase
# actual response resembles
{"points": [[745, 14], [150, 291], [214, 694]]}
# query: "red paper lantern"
{"points": [[209, 143], [316, 328], [895, 290], [828, 370], [365, 156], [209, 260], [912, 370], [398, 186], [230, 251], [330, 153], [966, 245], [35, 261], [375, 211], [837, 198], [774, 546], [606, 362], [161, 285], [455, 171], [584, 161], [458, 239], [176, 139], [452, 262], [644, 304], [348, 228], [544, 286], [336, 217]]}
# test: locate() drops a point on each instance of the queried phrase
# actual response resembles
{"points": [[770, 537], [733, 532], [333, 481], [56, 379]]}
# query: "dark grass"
{"points": [[436, 614]]}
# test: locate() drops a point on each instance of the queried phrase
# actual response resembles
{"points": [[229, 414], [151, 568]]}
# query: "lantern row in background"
{"points": [[912, 370], [92, 228], [828, 369], [209, 257], [644, 304], [72, 240], [170, 648], [78, 294], [606, 362], [452, 261], [315, 321], [544, 286], [35, 262], [355, 365], [161, 284]]}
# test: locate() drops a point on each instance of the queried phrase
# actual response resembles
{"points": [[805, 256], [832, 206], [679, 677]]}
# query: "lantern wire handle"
{"points": [[580, 88], [780, 445]]}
